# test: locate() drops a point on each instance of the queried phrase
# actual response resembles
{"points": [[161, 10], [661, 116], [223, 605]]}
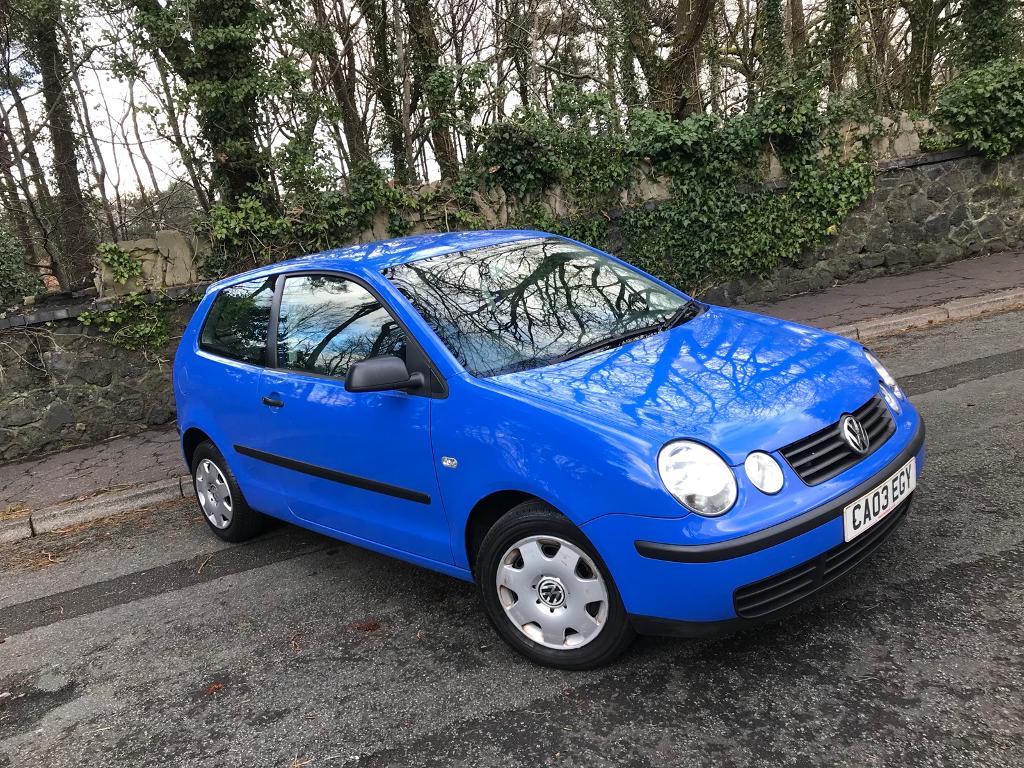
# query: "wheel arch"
{"points": [[486, 512], [190, 440]]}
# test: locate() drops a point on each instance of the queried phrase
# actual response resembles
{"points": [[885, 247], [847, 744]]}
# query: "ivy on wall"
{"points": [[16, 279], [134, 322], [122, 265], [720, 221]]}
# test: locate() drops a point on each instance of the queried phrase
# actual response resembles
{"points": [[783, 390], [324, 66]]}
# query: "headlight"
{"points": [[697, 477], [884, 375], [764, 472], [892, 400]]}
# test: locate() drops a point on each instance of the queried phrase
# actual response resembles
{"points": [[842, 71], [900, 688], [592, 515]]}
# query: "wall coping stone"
{"points": [[69, 312]]}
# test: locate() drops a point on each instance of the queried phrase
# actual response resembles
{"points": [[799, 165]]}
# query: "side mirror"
{"points": [[382, 374]]}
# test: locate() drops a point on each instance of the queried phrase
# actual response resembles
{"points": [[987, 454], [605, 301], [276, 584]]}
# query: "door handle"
{"points": [[273, 402]]}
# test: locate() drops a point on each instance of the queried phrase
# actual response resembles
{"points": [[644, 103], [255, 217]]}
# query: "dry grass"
{"points": [[13, 512], [44, 559]]}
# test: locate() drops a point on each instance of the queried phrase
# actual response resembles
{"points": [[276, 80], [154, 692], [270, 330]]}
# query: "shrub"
{"points": [[984, 107]]}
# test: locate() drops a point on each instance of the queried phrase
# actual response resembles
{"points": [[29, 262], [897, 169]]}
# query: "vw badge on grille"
{"points": [[855, 435]]}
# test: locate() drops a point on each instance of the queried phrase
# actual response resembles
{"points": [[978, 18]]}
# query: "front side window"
{"points": [[239, 320], [327, 323], [523, 305]]}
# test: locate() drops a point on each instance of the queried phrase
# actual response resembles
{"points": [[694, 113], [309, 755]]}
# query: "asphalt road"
{"points": [[141, 641]]}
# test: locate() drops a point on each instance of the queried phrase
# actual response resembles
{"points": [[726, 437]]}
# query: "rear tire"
{"points": [[220, 499], [548, 593]]}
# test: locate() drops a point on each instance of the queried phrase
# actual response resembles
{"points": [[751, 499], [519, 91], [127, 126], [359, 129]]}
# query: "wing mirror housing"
{"points": [[382, 374]]}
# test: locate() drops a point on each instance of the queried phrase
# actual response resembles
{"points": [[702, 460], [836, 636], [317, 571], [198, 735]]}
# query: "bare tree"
{"points": [[77, 240]]}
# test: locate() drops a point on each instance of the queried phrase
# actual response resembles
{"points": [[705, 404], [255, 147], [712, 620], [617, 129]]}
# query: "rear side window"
{"points": [[239, 320], [327, 323]]}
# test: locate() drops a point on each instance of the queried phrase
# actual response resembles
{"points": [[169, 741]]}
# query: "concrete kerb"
{"points": [[926, 317], [95, 507]]}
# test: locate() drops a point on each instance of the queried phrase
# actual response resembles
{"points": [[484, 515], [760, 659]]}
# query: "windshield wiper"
{"points": [[687, 311], [605, 343]]}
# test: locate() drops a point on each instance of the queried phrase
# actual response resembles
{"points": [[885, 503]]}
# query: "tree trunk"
{"points": [[94, 153], [41, 202], [685, 60], [404, 76], [673, 84], [384, 86], [500, 86], [12, 200], [835, 38], [33, 203], [75, 228], [185, 151], [773, 41], [797, 29], [343, 83], [220, 62], [229, 110], [636, 23], [137, 133], [426, 56], [923, 16], [517, 39]]}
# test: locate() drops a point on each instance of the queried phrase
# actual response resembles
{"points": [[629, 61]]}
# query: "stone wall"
{"points": [[167, 259], [926, 212], [63, 384]]}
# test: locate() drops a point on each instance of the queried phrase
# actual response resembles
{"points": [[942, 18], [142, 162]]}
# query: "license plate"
{"points": [[879, 502]]}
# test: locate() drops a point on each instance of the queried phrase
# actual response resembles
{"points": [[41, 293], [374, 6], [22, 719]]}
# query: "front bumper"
{"points": [[698, 589]]}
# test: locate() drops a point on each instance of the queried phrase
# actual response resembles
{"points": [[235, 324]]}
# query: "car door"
{"points": [[223, 379], [359, 464]]}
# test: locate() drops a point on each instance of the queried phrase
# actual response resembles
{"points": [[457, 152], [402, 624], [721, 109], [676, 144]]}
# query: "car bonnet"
{"points": [[733, 380]]}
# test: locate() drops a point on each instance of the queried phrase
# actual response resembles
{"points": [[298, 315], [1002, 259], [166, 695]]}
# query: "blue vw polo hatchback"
{"points": [[600, 453]]}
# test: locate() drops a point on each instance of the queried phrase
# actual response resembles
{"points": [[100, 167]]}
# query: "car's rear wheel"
{"points": [[547, 591], [220, 499]]}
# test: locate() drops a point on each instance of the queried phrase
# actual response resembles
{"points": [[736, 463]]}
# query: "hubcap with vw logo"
{"points": [[855, 435], [552, 592]]}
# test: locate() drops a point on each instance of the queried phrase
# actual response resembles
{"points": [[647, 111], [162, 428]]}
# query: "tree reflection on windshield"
{"points": [[527, 304]]}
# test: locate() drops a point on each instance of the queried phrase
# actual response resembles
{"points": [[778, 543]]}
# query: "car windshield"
{"points": [[531, 303]]}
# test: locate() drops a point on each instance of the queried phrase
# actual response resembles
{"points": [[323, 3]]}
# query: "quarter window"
{"points": [[239, 320], [327, 323]]}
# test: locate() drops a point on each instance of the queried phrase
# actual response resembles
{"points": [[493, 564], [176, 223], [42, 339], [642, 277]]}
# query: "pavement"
{"points": [[146, 457], [852, 304], [142, 640], [67, 488]]}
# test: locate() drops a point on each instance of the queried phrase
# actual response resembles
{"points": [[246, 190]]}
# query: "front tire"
{"points": [[548, 593], [220, 499]]}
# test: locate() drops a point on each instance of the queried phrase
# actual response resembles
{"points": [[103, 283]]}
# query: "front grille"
{"points": [[778, 592], [825, 454]]}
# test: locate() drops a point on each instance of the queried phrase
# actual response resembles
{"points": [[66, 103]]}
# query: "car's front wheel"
{"points": [[220, 498], [548, 593]]}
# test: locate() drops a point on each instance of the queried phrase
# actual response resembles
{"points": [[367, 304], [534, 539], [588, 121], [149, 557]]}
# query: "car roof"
{"points": [[381, 254]]}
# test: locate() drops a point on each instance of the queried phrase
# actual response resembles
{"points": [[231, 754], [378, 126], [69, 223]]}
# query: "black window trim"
{"points": [[202, 328], [437, 385]]}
